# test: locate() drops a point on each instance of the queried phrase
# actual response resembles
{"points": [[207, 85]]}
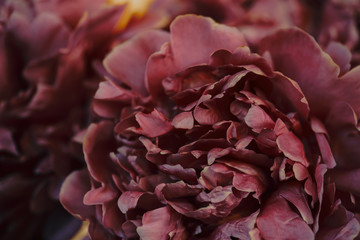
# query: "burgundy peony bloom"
{"points": [[47, 81], [201, 138]]}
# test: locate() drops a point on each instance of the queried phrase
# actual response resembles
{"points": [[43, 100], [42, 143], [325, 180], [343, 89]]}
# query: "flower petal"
{"points": [[131, 70], [72, 193], [297, 55]]}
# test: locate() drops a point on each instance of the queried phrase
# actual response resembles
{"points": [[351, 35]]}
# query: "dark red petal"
{"points": [[184, 120], [238, 228], [292, 148], [72, 193], [158, 224], [100, 195], [258, 119], [278, 221], [131, 199], [131, 70], [153, 124], [341, 56], [7, 143], [195, 38], [98, 143], [292, 51]]}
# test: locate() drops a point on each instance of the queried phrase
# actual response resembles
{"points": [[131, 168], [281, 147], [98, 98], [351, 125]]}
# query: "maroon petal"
{"points": [[7, 143], [131, 71], [347, 180], [238, 228], [158, 224], [293, 193], [48, 35], [72, 193], [184, 120], [131, 199], [100, 195], [258, 119], [206, 37], [322, 139], [153, 124], [98, 142], [342, 123], [292, 51], [278, 221], [183, 52], [292, 148]]}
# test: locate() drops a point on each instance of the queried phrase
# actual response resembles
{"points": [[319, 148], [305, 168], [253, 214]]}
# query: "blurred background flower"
{"points": [[50, 55]]}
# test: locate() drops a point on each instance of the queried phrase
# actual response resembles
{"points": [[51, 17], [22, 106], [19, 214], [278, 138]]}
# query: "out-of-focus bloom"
{"points": [[204, 139], [48, 51]]}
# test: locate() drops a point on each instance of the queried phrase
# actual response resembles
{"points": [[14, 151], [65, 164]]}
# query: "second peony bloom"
{"points": [[203, 139]]}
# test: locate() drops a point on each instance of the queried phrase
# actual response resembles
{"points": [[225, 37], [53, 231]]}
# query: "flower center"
{"points": [[134, 8]]}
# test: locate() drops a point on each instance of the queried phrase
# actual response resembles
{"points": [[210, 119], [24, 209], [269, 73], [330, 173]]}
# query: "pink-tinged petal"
{"points": [[300, 171], [293, 192], [112, 217], [320, 171], [186, 174], [98, 142], [207, 36], [184, 120], [243, 57], [72, 193], [160, 65], [158, 224], [322, 140], [183, 52], [131, 70], [7, 143], [100, 195], [131, 199], [286, 88], [277, 220], [108, 90], [216, 153], [177, 190], [297, 55], [280, 127], [238, 228], [153, 124], [248, 183], [109, 97], [341, 56], [292, 148], [258, 119]]}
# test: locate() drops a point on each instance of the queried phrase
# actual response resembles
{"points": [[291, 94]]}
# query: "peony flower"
{"points": [[201, 138], [48, 75]]}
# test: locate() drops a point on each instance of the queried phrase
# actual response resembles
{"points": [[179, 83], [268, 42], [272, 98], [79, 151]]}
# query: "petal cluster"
{"points": [[205, 139]]}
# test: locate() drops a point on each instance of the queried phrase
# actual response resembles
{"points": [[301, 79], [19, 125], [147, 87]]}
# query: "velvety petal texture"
{"points": [[199, 137]]}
